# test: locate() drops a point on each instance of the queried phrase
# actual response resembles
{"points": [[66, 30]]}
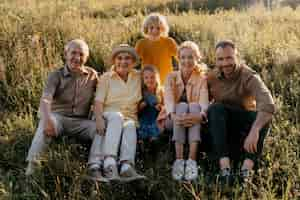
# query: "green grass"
{"points": [[32, 35]]}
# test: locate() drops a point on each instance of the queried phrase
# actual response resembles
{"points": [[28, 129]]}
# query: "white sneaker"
{"points": [[178, 170], [191, 170]]}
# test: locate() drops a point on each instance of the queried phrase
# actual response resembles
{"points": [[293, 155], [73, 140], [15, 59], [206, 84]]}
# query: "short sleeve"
{"points": [[102, 88], [51, 85], [264, 100]]}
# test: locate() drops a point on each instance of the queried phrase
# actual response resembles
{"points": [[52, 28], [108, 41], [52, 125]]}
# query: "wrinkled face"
{"points": [[154, 30], [188, 60], [123, 63], [149, 79], [226, 60], [75, 57]]}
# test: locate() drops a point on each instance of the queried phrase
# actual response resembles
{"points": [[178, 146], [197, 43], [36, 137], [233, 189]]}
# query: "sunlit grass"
{"points": [[32, 35]]}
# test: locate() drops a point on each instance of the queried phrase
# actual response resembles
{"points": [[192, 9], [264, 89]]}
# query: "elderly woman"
{"points": [[116, 103], [186, 101]]}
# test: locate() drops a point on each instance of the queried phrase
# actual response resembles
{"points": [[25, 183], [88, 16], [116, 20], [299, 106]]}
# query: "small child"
{"points": [[157, 48], [151, 104]]}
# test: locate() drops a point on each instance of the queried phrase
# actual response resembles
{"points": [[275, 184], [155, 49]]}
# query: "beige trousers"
{"points": [[84, 129]]}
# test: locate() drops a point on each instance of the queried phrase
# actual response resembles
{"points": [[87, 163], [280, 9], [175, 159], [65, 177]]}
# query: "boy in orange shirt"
{"points": [[157, 48]]}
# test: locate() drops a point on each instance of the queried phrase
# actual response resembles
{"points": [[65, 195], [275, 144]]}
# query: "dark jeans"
{"points": [[228, 128]]}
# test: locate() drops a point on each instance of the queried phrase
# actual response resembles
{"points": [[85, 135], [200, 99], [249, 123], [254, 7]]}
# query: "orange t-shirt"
{"points": [[158, 53]]}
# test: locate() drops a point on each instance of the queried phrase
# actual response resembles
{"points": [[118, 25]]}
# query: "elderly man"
{"points": [[242, 107], [116, 101], [65, 103]]}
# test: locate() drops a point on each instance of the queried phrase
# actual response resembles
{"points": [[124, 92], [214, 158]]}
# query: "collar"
{"points": [[67, 72], [113, 73], [192, 79]]}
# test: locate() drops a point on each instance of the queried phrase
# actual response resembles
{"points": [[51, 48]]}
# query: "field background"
{"points": [[32, 36]]}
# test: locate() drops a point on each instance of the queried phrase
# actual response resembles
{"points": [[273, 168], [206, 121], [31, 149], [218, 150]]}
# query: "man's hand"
{"points": [[49, 128], [250, 143], [100, 125]]}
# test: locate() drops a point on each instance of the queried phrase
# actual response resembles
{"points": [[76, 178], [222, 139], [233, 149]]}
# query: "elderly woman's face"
{"points": [[187, 59], [75, 57], [123, 63]]}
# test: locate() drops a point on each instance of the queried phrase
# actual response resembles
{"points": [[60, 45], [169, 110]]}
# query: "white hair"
{"points": [[78, 43]]}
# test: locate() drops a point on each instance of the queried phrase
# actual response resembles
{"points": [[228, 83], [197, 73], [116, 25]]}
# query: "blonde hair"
{"points": [[156, 18], [195, 48], [158, 91]]}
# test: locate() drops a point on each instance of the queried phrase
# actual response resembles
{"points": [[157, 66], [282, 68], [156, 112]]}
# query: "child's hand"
{"points": [[158, 106], [142, 105]]}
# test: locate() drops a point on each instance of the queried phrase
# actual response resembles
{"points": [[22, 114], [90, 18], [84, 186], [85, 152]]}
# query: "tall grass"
{"points": [[32, 35]]}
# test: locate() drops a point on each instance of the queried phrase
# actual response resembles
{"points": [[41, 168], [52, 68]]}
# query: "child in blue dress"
{"points": [[151, 104]]}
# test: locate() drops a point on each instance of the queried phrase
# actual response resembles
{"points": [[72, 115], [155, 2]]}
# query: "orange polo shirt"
{"points": [[158, 53]]}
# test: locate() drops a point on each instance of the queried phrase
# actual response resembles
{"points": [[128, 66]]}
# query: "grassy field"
{"points": [[32, 35]]}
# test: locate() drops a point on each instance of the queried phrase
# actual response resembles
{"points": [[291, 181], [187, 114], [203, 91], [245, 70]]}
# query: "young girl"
{"points": [[186, 101], [151, 104], [157, 48]]}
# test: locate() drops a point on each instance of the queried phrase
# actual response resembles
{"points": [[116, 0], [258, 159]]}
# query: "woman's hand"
{"points": [[100, 125], [190, 119]]}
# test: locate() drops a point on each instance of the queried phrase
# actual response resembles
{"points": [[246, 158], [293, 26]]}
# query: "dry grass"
{"points": [[32, 34]]}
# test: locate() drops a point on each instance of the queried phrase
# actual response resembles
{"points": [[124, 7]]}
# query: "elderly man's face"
{"points": [[123, 63], [76, 57], [226, 60]]}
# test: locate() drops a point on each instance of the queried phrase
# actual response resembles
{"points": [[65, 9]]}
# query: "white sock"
{"points": [[109, 161], [124, 167]]}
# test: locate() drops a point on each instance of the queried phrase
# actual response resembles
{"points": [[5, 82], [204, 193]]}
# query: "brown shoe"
{"points": [[96, 175], [130, 175]]}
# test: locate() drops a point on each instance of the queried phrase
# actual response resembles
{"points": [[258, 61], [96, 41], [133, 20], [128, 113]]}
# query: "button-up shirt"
{"points": [[118, 95], [244, 90], [196, 89], [71, 94]]}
